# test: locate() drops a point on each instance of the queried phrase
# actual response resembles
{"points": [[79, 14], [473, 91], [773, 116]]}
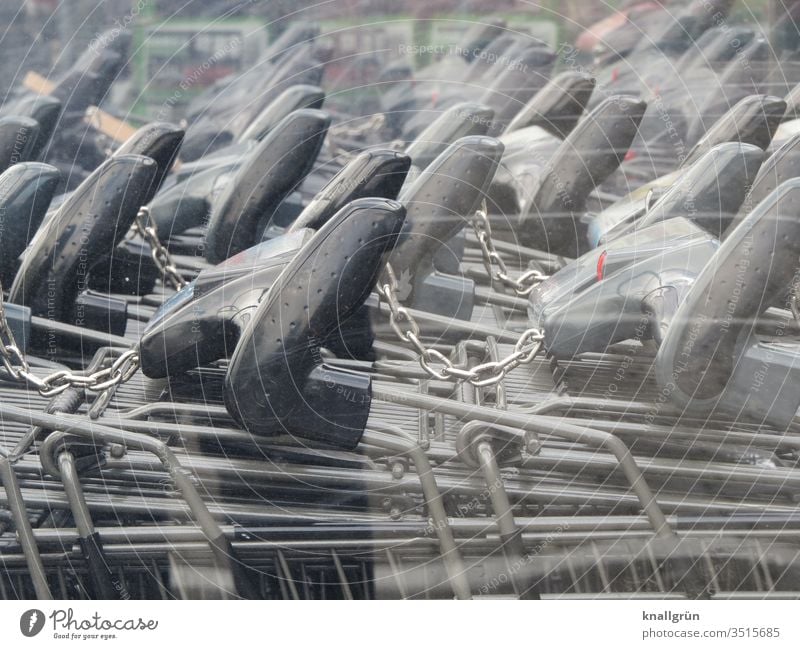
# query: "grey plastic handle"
{"points": [[752, 267]]}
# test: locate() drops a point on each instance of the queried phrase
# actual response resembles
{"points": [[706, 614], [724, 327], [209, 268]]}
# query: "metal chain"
{"points": [[145, 226], [525, 283], [17, 366], [12, 358], [525, 350]]}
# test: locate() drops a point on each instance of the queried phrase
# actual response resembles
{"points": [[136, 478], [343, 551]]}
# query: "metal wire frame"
{"points": [[563, 472], [162, 429]]}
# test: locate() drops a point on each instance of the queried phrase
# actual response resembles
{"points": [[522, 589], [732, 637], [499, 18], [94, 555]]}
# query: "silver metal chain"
{"points": [[16, 365], [145, 226], [493, 262], [525, 350]]}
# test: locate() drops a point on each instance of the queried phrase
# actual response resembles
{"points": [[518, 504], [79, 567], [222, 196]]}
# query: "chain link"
{"points": [[12, 358], [145, 226], [522, 285], [18, 368], [525, 350]]}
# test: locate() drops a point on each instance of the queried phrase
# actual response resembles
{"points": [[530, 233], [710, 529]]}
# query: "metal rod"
{"points": [[82, 333], [93, 431], [394, 439], [100, 577], [24, 530], [510, 534], [541, 425]]}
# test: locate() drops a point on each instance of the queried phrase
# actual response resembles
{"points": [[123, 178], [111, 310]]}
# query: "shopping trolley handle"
{"points": [[558, 106], [710, 191], [708, 351], [87, 226], [589, 154], [752, 120], [26, 190], [461, 120], [45, 109], [18, 137], [439, 203], [160, 141], [277, 379], [378, 173], [294, 98], [527, 72], [203, 321], [779, 167], [273, 169]]}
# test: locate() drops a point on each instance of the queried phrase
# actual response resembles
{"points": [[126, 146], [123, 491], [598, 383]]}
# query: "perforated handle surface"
{"points": [[160, 141], [591, 152], [274, 168], [88, 225], [462, 120], [558, 106], [277, 380], [440, 202], [754, 265]]}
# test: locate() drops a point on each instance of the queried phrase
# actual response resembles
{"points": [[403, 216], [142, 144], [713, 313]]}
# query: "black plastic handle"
{"points": [[104, 62], [290, 100], [591, 152], [299, 68], [26, 190], [273, 169], [76, 91], [490, 52], [440, 202], [462, 120], [160, 141], [519, 78], [187, 204], [558, 106], [46, 110], [738, 79], [87, 226], [753, 120], [18, 137], [716, 46], [781, 166], [711, 190], [277, 381], [115, 40], [202, 322], [378, 173], [753, 266], [480, 35]]}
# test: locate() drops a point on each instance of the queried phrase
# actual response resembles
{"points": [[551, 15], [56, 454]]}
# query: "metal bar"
{"points": [[550, 425], [100, 577], [81, 333], [348, 594], [24, 530], [513, 547], [396, 440], [93, 431]]}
